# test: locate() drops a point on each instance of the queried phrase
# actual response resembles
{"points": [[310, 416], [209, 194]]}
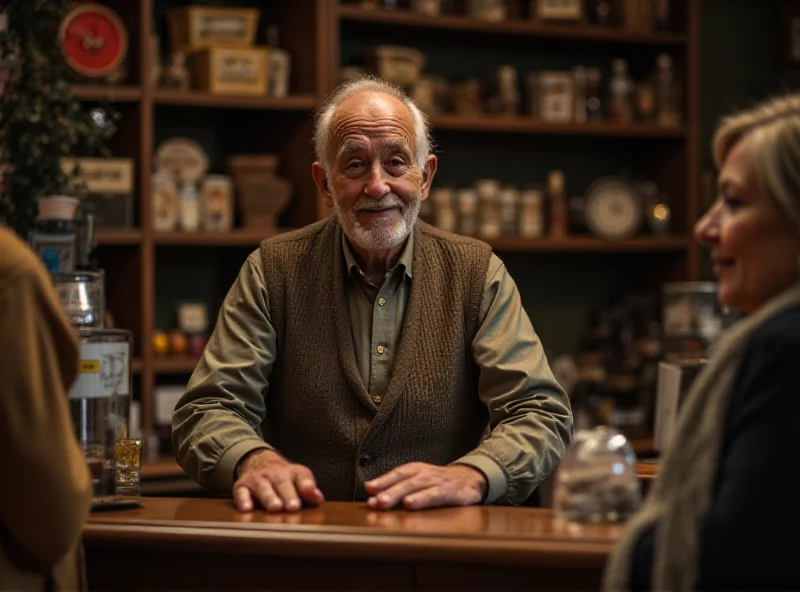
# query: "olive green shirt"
{"points": [[516, 384]]}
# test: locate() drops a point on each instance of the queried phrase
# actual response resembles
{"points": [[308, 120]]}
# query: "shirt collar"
{"points": [[406, 257]]}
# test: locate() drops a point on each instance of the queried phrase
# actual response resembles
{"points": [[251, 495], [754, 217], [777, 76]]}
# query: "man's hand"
{"points": [[265, 476], [420, 485]]}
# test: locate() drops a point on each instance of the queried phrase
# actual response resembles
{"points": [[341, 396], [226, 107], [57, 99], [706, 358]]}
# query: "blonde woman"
{"points": [[725, 511]]}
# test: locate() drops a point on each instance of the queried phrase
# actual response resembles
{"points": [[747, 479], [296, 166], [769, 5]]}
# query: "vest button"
{"points": [[365, 460]]}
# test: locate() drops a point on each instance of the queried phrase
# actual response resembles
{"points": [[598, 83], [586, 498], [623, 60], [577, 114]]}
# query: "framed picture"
{"points": [[559, 10]]}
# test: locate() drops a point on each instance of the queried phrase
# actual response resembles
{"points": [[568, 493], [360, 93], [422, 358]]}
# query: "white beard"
{"points": [[382, 233]]}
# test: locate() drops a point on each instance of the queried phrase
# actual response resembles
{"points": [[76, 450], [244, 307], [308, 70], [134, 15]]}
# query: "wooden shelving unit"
{"points": [[314, 32], [526, 125], [114, 94], [522, 28], [203, 99], [174, 364], [121, 236]]}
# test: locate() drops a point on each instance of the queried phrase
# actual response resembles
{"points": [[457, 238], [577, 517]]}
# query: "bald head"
{"points": [[369, 103]]}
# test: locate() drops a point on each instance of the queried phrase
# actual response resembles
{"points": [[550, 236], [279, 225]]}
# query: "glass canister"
{"points": [[444, 209], [467, 200], [597, 479], [82, 295], [488, 191], [100, 401]]}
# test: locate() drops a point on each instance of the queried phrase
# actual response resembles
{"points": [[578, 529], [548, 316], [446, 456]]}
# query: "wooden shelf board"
{"points": [[175, 364], [511, 27], [204, 99], [235, 238], [592, 244], [136, 365], [118, 236], [115, 94], [527, 125]]}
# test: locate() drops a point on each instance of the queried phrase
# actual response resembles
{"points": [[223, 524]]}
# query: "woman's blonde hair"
{"points": [[772, 129]]}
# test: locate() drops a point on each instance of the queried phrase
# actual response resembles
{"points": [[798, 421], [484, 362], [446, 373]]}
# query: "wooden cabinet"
{"points": [[148, 272]]}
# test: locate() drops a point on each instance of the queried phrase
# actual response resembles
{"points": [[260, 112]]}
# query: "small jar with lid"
{"points": [[488, 191], [531, 219], [444, 209], [597, 480], [508, 199], [467, 200]]}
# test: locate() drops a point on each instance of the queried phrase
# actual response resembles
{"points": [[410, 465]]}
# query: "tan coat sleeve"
{"points": [[529, 413], [46, 489], [217, 420]]}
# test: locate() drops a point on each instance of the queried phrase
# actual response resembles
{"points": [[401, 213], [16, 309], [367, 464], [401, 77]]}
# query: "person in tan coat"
{"points": [[46, 492]]}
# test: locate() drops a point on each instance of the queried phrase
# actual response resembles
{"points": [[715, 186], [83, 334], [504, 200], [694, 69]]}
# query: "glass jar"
{"points": [[99, 401], [488, 191], [531, 220], [82, 296], [597, 479], [467, 200], [509, 206], [445, 217]]}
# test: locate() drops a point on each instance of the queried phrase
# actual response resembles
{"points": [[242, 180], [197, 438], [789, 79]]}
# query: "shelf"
{"points": [[118, 236], [136, 365], [115, 94], [203, 99], [592, 244], [175, 364], [235, 238], [527, 125], [511, 27]]}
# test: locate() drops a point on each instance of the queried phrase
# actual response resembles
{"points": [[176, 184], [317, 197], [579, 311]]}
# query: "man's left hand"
{"points": [[419, 486]]}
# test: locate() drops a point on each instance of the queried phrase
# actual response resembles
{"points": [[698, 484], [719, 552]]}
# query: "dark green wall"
{"points": [[740, 65]]}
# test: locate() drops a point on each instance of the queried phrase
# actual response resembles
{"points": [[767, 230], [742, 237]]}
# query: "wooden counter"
{"points": [[172, 543]]}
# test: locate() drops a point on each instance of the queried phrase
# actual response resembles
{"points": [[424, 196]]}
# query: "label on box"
{"points": [[103, 371]]}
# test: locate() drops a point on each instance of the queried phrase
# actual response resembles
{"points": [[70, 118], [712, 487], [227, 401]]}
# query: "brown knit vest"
{"points": [[319, 413]]}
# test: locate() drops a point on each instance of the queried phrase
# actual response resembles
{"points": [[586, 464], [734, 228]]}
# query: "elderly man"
{"points": [[381, 359]]}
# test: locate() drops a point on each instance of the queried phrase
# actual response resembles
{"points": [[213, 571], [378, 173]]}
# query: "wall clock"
{"points": [[613, 209], [93, 39]]}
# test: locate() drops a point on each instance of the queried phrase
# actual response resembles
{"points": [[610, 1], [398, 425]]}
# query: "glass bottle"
{"points": [[531, 220], [189, 207], [667, 92], [558, 206], [621, 88], [594, 105]]}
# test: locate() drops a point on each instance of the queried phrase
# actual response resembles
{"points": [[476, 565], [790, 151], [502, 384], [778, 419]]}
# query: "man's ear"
{"points": [[321, 179], [428, 173]]}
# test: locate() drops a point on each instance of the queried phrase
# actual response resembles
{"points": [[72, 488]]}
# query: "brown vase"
{"points": [[262, 195]]}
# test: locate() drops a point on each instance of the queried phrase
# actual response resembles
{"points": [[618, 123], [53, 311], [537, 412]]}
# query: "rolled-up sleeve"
{"points": [[216, 422], [529, 413]]}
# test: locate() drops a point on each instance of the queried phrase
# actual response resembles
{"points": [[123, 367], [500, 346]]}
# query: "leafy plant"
{"points": [[41, 121]]}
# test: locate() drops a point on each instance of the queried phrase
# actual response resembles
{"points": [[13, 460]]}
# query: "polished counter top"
{"points": [[484, 534]]}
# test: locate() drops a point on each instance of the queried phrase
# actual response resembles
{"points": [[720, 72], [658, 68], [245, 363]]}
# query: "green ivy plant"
{"points": [[41, 121]]}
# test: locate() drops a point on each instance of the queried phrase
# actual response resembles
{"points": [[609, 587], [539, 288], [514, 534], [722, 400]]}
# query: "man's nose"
{"points": [[707, 228], [377, 185]]}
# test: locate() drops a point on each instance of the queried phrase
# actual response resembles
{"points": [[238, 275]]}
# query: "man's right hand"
{"points": [[278, 485]]}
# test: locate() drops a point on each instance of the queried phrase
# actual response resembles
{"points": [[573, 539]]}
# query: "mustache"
{"points": [[387, 201]]}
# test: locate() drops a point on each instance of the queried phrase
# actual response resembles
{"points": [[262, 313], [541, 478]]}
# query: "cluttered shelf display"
{"points": [[629, 21], [614, 207]]}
